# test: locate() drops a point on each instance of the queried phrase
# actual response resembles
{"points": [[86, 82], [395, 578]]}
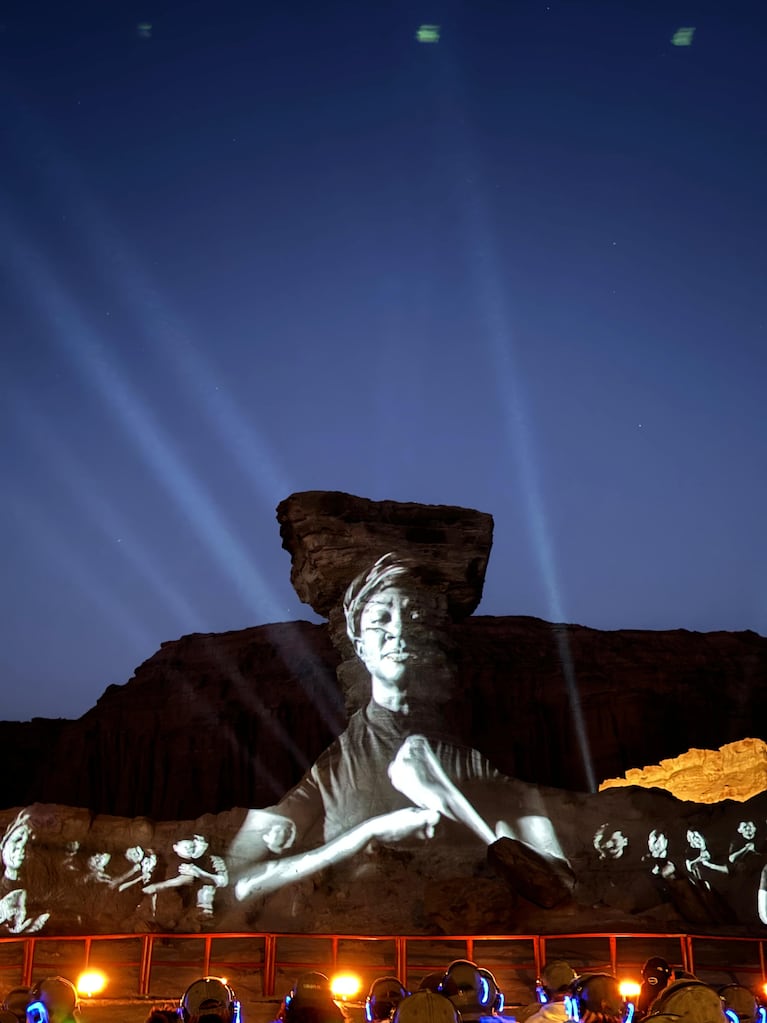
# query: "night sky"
{"points": [[516, 264]]}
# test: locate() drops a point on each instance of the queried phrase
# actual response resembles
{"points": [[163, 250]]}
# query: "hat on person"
{"points": [[557, 976]]}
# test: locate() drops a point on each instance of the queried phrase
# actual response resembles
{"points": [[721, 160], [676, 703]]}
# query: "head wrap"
{"points": [[387, 570]]}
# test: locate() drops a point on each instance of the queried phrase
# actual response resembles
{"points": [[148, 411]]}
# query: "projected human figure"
{"points": [[143, 863], [761, 897], [13, 895], [610, 842], [396, 772], [96, 866], [699, 862], [657, 855], [198, 869], [743, 848]]}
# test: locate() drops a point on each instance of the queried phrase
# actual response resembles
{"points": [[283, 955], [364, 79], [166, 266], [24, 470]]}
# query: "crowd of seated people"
{"points": [[463, 993]]}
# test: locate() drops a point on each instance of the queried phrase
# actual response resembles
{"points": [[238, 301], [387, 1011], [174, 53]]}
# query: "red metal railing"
{"points": [[23, 960]]}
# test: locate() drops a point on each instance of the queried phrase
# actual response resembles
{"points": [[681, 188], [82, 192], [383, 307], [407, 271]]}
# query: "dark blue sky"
{"points": [[254, 248]]}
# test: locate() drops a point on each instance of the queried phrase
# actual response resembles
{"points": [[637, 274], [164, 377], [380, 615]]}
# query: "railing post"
{"points": [[613, 954], [400, 959], [270, 964], [145, 969], [29, 962], [689, 965], [206, 956]]}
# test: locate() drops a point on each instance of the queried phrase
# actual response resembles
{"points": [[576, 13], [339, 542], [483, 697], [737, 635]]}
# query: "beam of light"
{"points": [[154, 319], [84, 488], [55, 545], [187, 693], [484, 265], [174, 342], [518, 434], [136, 420]]}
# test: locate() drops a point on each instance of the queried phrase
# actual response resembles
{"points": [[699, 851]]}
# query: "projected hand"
{"points": [[190, 870], [417, 774]]}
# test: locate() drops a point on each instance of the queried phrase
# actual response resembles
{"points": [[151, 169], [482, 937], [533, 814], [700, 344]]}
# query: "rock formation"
{"points": [[215, 722], [197, 714], [736, 771]]}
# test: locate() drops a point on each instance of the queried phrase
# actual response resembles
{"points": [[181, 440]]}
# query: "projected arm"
{"points": [[737, 854], [417, 773], [130, 877], [179, 881], [703, 859], [389, 827], [220, 878], [761, 898]]}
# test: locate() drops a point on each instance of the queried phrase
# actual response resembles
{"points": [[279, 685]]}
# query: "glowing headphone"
{"points": [[491, 996], [572, 1007], [540, 993], [37, 1012], [484, 990], [395, 988], [572, 1001]]}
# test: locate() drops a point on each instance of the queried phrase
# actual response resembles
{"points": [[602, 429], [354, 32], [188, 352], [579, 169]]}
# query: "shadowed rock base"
{"points": [[545, 882]]}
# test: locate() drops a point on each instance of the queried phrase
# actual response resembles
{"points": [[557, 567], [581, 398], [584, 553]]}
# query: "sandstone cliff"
{"points": [[215, 721]]}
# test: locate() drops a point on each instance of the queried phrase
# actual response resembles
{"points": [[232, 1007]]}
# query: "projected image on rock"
{"points": [[197, 872], [610, 842], [13, 895], [398, 774], [657, 856], [699, 862]]}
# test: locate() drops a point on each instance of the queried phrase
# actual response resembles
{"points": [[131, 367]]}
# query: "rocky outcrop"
{"points": [[331, 536], [215, 721], [614, 875], [207, 723], [736, 771]]}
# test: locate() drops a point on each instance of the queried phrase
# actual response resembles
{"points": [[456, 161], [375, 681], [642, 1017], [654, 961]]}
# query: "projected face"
{"points": [[695, 840], [14, 850], [657, 844], [98, 862], [747, 829], [385, 645], [191, 848], [610, 843]]}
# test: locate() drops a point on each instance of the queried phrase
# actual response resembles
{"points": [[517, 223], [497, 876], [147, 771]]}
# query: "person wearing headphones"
{"points": [[552, 988], [596, 998], [209, 1000], [52, 1000]]}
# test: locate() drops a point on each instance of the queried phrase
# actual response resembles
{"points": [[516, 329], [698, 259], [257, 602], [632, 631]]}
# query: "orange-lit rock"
{"points": [[736, 771]]}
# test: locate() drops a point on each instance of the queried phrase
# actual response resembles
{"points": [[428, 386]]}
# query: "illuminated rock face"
{"points": [[736, 771], [435, 817], [330, 534]]}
